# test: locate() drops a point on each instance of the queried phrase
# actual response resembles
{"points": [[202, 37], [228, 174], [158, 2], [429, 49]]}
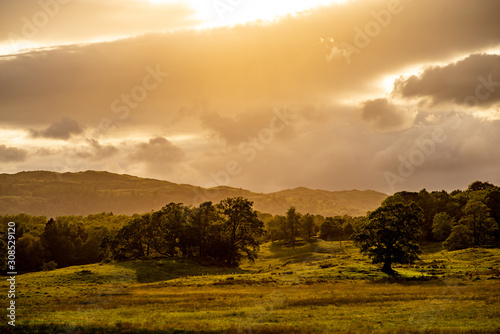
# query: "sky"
{"points": [[387, 95]]}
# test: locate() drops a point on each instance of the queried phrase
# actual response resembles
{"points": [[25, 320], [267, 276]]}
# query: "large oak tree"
{"points": [[391, 235]]}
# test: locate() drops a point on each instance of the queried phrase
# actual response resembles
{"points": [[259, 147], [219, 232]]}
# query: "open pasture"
{"points": [[322, 287]]}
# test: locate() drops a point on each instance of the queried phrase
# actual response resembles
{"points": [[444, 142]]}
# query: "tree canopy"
{"points": [[391, 235], [227, 232]]}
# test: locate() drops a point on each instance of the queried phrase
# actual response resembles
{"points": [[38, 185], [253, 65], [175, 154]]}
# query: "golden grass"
{"points": [[317, 288]]}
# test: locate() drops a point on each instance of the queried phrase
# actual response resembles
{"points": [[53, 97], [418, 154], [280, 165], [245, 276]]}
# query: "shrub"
{"points": [[48, 266]]}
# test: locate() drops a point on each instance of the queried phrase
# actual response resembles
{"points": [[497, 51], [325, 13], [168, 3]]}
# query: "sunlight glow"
{"points": [[12, 136], [224, 12], [17, 48], [387, 82]]}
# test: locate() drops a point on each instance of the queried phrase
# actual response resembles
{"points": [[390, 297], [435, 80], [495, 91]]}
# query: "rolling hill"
{"points": [[54, 194]]}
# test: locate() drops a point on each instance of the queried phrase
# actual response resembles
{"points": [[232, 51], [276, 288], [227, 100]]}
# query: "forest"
{"points": [[224, 234]]}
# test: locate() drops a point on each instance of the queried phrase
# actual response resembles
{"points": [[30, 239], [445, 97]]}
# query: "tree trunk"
{"points": [[387, 268]]}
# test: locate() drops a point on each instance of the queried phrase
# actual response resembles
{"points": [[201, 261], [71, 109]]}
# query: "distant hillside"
{"points": [[54, 194]]}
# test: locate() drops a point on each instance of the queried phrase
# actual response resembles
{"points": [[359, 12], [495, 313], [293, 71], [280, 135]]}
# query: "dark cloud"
{"points": [[12, 154], [384, 116], [63, 129], [472, 81]]}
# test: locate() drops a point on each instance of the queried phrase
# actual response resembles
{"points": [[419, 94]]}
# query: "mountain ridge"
{"points": [[81, 193]]}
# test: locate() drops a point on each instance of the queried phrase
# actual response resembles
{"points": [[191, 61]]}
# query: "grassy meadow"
{"points": [[320, 287]]}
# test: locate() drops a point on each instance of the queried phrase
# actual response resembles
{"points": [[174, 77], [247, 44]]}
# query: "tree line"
{"points": [[393, 233], [69, 240], [294, 225], [228, 232], [460, 219], [224, 233]]}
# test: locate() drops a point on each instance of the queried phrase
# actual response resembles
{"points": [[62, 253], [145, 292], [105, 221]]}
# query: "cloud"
{"points": [[472, 81], [102, 151], [97, 151], [384, 116], [239, 68], [157, 150], [449, 155], [63, 129], [225, 82], [12, 154], [63, 21], [46, 152], [258, 122]]}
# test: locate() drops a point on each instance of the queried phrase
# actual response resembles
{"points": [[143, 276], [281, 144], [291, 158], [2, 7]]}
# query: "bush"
{"points": [[48, 266]]}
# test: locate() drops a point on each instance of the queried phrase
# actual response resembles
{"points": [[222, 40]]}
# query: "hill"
{"points": [[54, 194]]}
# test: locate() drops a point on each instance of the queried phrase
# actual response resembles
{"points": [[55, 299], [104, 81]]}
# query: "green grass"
{"points": [[318, 287]]}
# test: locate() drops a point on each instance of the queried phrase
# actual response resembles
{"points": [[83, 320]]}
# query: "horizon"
{"points": [[265, 95]]}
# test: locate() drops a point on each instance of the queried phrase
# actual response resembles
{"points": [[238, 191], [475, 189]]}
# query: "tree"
{"points": [[203, 217], [29, 255], [358, 222], [56, 240], [226, 232], [391, 235], [241, 229], [441, 226], [128, 243], [149, 232], [460, 238], [478, 219], [493, 203], [293, 223], [92, 252], [348, 229], [3, 254], [277, 229], [171, 222], [331, 228], [480, 186], [307, 226]]}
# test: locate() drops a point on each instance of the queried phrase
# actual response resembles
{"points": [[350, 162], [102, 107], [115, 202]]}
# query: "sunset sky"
{"points": [[261, 94]]}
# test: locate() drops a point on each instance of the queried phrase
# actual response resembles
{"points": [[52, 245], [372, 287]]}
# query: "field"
{"points": [[320, 287]]}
